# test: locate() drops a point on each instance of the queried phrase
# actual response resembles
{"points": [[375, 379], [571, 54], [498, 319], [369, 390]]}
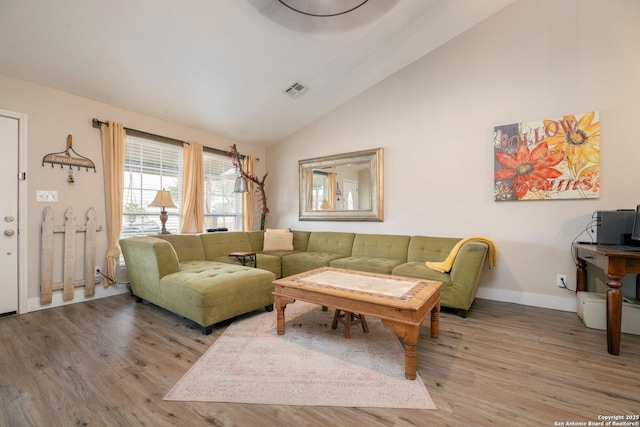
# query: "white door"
{"points": [[350, 195], [9, 214]]}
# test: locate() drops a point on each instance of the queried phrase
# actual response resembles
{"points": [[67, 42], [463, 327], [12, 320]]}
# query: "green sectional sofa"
{"points": [[322, 248], [172, 271], [193, 275]]}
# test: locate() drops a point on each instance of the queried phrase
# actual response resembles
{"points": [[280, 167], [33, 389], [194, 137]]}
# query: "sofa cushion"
{"points": [[256, 240], [196, 265], [209, 292], [375, 253], [331, 242], [305, 261], [187, 246], [422, 248], [369, 264], [381, 246], [419, 270], [221, 244], [300, 240], [267, 262]]}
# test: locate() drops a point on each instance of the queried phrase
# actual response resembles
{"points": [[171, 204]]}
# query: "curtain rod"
{"points": [[97, 123]]}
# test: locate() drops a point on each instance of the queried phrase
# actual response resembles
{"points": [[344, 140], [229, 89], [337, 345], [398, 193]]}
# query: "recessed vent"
{"points": [[296, 89]]}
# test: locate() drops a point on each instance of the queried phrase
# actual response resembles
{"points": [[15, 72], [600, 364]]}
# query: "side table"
{"points": [[243, 257]]}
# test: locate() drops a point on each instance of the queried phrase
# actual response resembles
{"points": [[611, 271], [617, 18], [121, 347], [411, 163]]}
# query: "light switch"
{"points": [[46, 196]]}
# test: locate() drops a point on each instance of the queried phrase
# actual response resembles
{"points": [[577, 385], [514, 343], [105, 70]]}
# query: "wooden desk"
{"points": [[615, 263]]}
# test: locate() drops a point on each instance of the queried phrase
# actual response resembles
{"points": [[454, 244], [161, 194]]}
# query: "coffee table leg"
{"points": [[281, 304], [410, 351], [409, 335], [435, 321]]}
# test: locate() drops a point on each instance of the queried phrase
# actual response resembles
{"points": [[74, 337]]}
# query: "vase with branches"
{"points": [[262, 197]]}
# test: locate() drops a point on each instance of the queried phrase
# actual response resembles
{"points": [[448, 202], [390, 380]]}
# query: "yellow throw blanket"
{"points": [[445, 266]]}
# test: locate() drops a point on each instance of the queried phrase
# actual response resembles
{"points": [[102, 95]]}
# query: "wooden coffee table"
{"points": [[402, 303]]}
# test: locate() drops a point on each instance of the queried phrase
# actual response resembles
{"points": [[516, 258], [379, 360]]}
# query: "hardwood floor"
{"points": [[110, 361]]}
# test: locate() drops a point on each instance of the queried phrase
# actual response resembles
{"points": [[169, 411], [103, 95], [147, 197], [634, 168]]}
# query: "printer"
{"points": [[611, 226]]}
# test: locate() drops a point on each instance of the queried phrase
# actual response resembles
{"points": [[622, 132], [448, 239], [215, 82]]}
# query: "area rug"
{"points": [[310, 365]]}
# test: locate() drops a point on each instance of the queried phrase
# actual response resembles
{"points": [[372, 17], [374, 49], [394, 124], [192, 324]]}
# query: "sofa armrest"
{"points": [[148, 259], [467, 267]]}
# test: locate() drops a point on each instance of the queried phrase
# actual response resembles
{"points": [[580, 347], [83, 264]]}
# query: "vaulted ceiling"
{"points": [[223, 66]]}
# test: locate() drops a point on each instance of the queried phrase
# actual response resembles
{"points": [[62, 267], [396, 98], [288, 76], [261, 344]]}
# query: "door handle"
{"points": [[8, 218], [8, 233]]}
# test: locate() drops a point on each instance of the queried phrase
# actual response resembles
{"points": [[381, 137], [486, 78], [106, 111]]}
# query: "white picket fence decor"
{"points": [[48, 253]]}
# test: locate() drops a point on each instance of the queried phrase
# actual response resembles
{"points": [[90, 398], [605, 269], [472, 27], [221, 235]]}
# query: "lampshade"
{"points": [[162, 200], [240, 186]]}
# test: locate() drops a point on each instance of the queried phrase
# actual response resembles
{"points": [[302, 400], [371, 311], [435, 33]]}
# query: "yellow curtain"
{"points": [[192, 207], [247, 198], [331, 192], [114, 150]]}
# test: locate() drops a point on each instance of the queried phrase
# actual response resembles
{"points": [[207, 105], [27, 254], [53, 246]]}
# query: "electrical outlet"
{"points": [[561, 280], [97, 271]]}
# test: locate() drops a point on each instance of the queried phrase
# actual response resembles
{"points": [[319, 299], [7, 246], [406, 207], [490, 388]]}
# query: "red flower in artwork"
{"points": [[529, 169]]}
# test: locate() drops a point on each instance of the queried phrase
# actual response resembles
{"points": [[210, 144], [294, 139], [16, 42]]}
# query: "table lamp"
{"points": [[163, 200]]}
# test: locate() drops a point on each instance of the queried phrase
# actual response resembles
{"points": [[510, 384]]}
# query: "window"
{"points": [[222, 207], [150, 166], [320, 185]]}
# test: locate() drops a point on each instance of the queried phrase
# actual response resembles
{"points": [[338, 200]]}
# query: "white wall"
{"points": [[536, 59], [52, 115]]}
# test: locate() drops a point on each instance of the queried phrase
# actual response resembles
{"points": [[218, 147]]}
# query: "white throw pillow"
{"points": [[278, 241], [278, 230]]}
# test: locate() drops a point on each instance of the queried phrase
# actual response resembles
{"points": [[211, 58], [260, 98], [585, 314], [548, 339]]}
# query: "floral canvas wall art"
{"points": [[548, 159]]}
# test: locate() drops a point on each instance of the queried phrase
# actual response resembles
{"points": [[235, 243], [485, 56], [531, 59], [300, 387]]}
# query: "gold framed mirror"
{"points": [[342, 187]]}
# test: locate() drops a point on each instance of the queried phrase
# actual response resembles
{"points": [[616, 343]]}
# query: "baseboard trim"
{"points": [[563, 303], [568, 303], [33, 304]]}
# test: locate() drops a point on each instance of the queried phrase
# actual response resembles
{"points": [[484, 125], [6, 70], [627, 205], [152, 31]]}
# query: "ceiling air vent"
{"points": [[296, 89]]}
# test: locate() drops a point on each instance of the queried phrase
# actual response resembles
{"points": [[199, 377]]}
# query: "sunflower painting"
{"points": [[548, 159]]}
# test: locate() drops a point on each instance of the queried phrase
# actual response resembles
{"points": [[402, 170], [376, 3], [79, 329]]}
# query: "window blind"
{"points": [[223, 207], [150, 166]]}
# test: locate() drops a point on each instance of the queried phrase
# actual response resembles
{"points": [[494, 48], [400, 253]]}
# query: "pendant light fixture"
{"points": [[323, 9], [240, 185]]}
